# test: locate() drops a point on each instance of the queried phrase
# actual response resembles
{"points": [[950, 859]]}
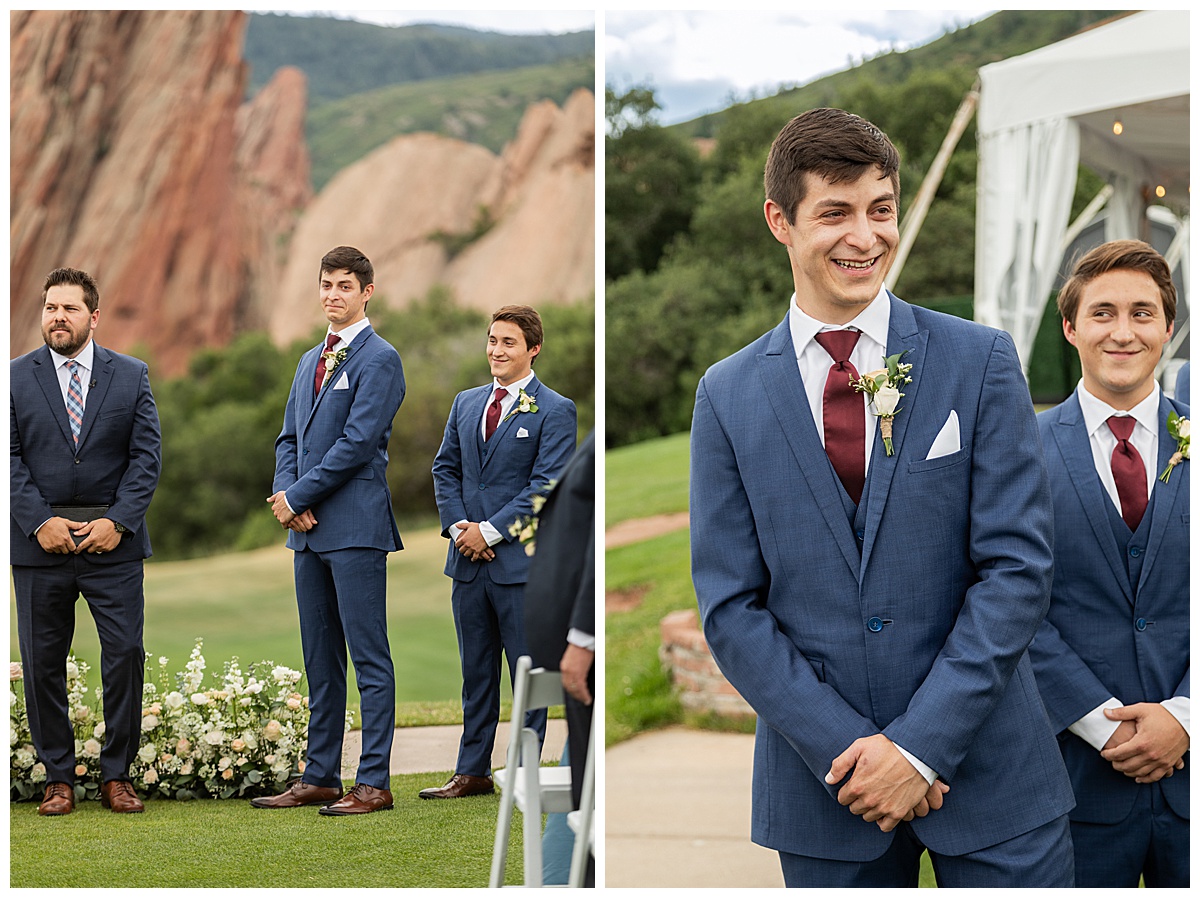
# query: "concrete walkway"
{"points": [[677, 813]]}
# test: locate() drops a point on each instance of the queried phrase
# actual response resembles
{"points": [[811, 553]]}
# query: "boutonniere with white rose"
{"points": [[1181, 430], [524, 529], [524, 403], [332, 360], [883, 388]]}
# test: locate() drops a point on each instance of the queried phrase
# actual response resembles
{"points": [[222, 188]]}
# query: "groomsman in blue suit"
{"points": [[331, 494], [504, 443], [1112, 657], [871, 565]]}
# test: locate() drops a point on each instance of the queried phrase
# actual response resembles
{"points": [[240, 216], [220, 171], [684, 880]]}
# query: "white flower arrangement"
{"points": [[243, 737]]}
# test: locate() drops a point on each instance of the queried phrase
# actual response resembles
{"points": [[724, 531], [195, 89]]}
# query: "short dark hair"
{"points": [[1117, 255], [73, 276], [832, 143], [347, 258], [524, 317]]}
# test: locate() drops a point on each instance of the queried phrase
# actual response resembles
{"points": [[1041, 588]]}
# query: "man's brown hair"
{"points": [[349, 259], [831, 143], [73, 276], [524, 317], [1117, 255]]}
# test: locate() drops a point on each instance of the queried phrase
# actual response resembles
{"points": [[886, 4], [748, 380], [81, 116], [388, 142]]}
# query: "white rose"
{"points": [[173, 701], [186, 769], [98, 730], [293, 702], [91, 749], [150, 777], [38, 773], [12, 737], [254, 687], [1185, 428], [199, 699], [272, 731], [148, 752], [149, 722], [214, 737], [72, 670], [224, 764], [886, 400]]}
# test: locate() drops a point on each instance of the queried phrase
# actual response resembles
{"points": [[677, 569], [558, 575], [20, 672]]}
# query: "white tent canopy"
{"points": [[1040, 116]]}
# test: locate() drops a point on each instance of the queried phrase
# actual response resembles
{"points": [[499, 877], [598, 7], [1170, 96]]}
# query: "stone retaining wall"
{"points": [[701, 685]]}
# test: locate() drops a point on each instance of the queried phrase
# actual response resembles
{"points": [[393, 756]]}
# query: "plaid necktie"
{"points": [[75, 400]]}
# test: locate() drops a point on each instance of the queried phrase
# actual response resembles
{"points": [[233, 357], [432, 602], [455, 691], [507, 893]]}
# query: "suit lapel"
{"points": [[1166, 494], [1071, 437], [47, 378], [470, 425], [903, 336], [311, 371], [506, 423], [785, 392], [102, 371]]}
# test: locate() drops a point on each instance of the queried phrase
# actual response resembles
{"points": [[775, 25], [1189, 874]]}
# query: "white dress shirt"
{"points": [[868, 355], [1094, 728]]}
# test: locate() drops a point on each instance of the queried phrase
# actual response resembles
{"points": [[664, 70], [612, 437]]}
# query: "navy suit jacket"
{"points": [[910, 617], [331, 456], [1090, 647], [497, 483], [117, 462]]}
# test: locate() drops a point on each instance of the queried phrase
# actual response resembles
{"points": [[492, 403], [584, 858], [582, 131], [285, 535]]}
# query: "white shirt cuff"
{"points": [[490, 533], [454, 530], [1180, 707], [922, 768], [583, 640], [289, 504], [1094, 728]]}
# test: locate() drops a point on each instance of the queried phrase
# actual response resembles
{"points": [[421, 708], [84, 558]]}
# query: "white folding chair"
{"points": [[583, 821], [534, 789]]}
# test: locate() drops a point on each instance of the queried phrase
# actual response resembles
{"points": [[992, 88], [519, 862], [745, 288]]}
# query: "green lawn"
{"points": [[646, 479], [244, 605], [230, 844]]}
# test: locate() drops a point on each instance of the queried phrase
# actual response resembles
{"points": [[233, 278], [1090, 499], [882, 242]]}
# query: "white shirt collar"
{"points": [[872, 321], [84, 358], [347, 334], [513, 388], [1096, 412]]}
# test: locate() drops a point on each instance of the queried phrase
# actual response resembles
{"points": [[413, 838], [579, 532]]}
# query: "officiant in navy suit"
{"points": [[1112, 657], [331, 494], [85, 458], [871, 565], [504, 443]]}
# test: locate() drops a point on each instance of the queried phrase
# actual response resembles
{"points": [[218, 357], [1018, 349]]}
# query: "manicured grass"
{"points": [[225, 844], [244, 605], [645, 479]]}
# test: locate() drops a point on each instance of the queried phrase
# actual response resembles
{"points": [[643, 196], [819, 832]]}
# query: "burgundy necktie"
{"points": [[492, 421], [844, 417], [320, 378], [1129, 471]]}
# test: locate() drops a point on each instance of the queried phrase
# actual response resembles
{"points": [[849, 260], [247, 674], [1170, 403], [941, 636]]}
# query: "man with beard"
{"points": [[85, 459]]}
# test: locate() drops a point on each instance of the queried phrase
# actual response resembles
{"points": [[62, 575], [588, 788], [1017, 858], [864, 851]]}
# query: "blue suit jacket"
{"points": [[1089, 647], [117, 462], [497, 484], [331, 457], [913, 623]]}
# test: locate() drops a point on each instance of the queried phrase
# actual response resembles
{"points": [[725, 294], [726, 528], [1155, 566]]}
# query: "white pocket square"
{"points": [[947, 440], [522, 433], [343, 382]]}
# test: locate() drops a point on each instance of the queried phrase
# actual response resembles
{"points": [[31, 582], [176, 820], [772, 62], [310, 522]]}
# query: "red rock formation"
{"points": [[124, 129]]}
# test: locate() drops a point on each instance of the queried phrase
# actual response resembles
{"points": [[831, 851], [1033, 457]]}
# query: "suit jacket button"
{"points": [[78, 460], [860, 534], [483, 486], [1134, 551], [1140, 623], [874, 625]]}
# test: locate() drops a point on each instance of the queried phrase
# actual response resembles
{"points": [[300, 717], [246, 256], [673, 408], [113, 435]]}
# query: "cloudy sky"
{"points": [[696, 60]]}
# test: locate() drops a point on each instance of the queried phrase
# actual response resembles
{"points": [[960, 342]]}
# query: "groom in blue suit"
{"points": [[331, 494], [504, 443], [1112, 656], [871, 566]]}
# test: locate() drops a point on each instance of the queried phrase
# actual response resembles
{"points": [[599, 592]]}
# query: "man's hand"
{"points": [[471, 544], [931, 802], [99, 535], [1157, 748], [885, 788], [1122, 734], [574, 666], [303, 522], [279, 508], [55, 536]]}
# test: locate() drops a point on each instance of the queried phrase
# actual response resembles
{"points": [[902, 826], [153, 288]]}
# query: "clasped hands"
{"points": [[99, 536], [885, 788], [287, 518], [471, 543], [1149, 743]]}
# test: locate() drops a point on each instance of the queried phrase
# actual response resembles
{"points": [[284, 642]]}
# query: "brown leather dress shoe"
{"points": [[298, 794], [120, 797], [59, 800], [460, 786], [362, 799]]}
